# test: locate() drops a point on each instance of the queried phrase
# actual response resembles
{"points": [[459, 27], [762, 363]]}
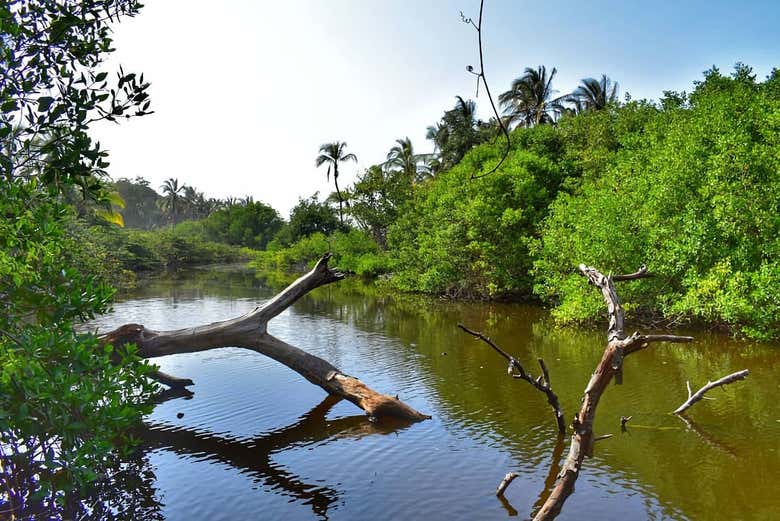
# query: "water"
{"points": [[257, 441]]}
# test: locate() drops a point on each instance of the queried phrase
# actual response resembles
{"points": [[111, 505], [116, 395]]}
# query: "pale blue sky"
{"points": [[246, 91]]}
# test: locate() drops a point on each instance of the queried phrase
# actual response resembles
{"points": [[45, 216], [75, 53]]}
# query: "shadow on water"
{"points": [[254, 456]]}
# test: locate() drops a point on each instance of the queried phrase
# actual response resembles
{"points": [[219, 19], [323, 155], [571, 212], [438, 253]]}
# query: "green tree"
{"points": [[173, 194], [141, 203], [693, 192], [307, 217], [470, 238], [531, 99], [376, 200], [455, 134], [332, 154], [67, 403], [253, 225], [403, 158], [593, 94]]}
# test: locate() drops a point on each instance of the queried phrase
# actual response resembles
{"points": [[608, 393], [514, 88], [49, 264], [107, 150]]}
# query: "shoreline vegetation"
{"points": [[688, 185]]}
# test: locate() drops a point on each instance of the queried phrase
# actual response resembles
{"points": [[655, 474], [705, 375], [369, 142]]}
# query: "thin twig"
{"points": [[481, 76], [542, 383]]}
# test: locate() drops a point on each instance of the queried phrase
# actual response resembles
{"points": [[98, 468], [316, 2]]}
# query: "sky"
{"points": [[245, 92]]}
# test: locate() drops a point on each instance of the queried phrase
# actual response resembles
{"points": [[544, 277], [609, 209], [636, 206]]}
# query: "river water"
{"points": [[257, 441]]}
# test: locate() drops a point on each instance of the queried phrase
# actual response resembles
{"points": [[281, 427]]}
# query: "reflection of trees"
{"points": [[254, 456], [128, 494], [125, 493]]}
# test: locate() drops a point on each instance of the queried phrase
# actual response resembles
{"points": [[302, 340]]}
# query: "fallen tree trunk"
{"points": [[250, 332], [618, 346]]}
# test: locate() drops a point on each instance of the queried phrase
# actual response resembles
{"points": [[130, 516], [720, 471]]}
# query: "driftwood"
{"points": [[540, 383], [250, 332], [698, 395], [618, 347]]}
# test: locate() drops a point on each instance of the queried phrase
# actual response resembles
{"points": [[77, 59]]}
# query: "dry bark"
{"points": [[250, 332], [698, 395], [618, 346]]}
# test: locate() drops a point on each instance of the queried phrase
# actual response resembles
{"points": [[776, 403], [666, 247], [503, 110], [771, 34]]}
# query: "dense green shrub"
{"points": [[694, 193], [65, 400], [138, 250], [469, 237], [253, 225], [353, 251]]}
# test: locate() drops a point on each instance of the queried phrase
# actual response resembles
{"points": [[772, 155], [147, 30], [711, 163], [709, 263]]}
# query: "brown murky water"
{"points": [[257, 441]]}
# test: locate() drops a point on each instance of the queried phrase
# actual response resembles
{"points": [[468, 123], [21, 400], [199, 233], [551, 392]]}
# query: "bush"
{"points": [[66, 402], [693, 193], [462, 237], [353, 251]]}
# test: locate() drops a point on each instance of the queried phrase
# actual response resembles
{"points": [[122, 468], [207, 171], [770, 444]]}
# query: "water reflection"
{"points": [[485, 424], [255, 456]]}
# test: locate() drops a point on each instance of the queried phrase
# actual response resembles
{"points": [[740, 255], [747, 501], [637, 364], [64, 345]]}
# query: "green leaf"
{"points": [[9, 106], [44, 102]]}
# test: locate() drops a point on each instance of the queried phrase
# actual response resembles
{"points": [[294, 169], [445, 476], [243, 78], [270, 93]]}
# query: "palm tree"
{"points": [[402, 156], [333, 154], [594, 94], [437, 133], [530, 99], [172, 193]]}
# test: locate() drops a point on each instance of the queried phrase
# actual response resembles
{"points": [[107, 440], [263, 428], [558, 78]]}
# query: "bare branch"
{"points": [[637, 342], [545, 373], [641, 273], [614, 309], [481, 75], [542, 383], [610, 366], [692, 399], [509, 478]]}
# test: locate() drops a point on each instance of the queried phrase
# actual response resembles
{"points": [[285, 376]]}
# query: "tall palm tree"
{"points": [[467, 110], [531, 99], [172, 192], [437, 133], [332, 154], [402, 157], [593, 94]]}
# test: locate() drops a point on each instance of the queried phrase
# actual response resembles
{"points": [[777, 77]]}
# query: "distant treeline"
{"points": [[689, 185]]}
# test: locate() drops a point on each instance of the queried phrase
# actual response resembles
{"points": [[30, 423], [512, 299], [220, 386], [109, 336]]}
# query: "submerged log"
{"points": [[618, 347], [250, 332]]}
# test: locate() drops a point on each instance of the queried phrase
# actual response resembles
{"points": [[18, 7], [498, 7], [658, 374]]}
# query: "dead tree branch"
{"points": [[509, 478], [618, 346], [250, 332], [698, 395], [516, 370]]}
